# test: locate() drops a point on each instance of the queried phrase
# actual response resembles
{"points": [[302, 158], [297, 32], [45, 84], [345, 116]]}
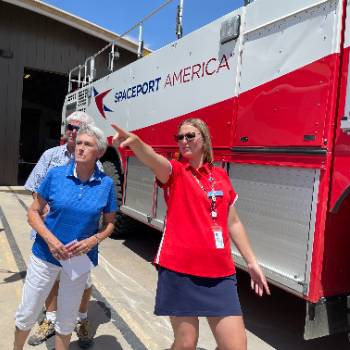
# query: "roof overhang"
{"points": [[76, 22]]}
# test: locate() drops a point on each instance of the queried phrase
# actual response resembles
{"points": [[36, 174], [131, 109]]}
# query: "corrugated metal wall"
{"points": [[41, 43]]}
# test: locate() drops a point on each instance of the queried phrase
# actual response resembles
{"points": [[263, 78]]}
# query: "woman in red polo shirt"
{"points": [[196, 270]]}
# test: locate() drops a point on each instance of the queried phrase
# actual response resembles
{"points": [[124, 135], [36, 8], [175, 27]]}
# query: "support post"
{"points": [[179, 18]]}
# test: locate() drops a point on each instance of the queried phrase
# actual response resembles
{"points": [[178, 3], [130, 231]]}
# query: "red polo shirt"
{"points": [[188, 244]]}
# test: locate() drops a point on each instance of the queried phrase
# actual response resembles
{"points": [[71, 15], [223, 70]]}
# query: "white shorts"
{"points": [[41, 275], [33, 234], [88, 282]]}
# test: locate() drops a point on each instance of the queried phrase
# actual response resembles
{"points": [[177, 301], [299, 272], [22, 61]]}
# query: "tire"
{"points": [[111, 170], [124, 225]]}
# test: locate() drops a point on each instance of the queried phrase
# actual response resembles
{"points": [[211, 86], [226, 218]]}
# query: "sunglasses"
{"points": [[189, 136], [71, 127]]}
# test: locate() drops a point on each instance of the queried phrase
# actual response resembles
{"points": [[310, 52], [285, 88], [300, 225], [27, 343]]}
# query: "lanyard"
{"points": [[213, 212]]}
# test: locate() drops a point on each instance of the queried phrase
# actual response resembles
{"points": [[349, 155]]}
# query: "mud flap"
{"points": [[328, 316]]}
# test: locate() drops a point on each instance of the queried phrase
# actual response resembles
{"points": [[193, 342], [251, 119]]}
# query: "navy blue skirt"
{"points": [[186, 295]]}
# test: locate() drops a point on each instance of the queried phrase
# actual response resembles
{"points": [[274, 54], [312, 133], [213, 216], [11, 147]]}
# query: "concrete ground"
{"points": [[121, 310]]}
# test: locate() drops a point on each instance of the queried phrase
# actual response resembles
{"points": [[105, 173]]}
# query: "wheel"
{"points": [[124, 225], [111, 170]]}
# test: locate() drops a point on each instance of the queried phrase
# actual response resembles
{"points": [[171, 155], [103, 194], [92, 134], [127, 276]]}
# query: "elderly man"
{"points": [[54, 157]]}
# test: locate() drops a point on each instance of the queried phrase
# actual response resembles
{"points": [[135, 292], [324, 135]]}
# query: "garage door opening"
{"points": [[42, 100]]}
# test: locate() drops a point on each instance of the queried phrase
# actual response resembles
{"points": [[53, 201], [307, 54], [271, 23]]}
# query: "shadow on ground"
{"points": [[17, 190], [279, 319], [106, 342], [14, 276], [144, 242], [99, 314]]}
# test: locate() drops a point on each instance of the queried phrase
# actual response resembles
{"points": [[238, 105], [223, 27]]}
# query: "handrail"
{"points": [[88, 78], [79, 80], [140, 47]]}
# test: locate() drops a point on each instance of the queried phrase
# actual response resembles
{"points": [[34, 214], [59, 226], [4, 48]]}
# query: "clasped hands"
{"points": [[63, 252]]}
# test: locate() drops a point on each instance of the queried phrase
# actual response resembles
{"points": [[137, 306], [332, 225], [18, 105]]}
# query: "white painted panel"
{"points": [[198, 48], [261, 12], [276, 205], [286, 45]]}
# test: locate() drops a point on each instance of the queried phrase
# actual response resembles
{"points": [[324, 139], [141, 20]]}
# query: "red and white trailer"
{"points": [[271, 81]]}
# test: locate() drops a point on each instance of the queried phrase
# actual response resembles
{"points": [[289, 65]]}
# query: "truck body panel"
{"points": [[277, 101]]}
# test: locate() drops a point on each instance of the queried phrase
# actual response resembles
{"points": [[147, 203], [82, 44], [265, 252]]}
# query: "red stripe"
{"points": [[288, 111], [217, 116]]}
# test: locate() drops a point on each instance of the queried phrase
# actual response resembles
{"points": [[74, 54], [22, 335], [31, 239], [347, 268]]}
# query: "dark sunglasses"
{"points": [[189, 136], [71, 127]]}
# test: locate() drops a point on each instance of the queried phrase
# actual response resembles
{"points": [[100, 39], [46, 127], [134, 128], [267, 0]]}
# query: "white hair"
{"points": [[92, 130], [81, 117]]}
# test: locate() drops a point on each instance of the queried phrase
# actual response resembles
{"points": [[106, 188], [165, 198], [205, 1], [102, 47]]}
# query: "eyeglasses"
{"points": [[189, 136], [71, 127]]}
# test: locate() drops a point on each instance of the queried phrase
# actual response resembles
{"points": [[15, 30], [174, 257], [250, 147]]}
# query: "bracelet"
{"points": [[98, 238]]}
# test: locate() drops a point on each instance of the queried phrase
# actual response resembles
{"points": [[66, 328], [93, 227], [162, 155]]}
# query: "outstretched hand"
{"points": [[122, 138], [258, 281], [157, 163]]}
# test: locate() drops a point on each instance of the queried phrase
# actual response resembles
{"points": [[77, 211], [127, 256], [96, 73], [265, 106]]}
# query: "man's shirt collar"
{"points": [[66, 152]]}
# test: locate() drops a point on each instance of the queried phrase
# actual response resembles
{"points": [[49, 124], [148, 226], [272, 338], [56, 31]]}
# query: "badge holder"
{"points": [[216, 229], [218, 237]]}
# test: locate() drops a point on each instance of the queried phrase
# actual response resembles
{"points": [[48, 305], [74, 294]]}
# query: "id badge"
{"points": [[218, 237]]}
